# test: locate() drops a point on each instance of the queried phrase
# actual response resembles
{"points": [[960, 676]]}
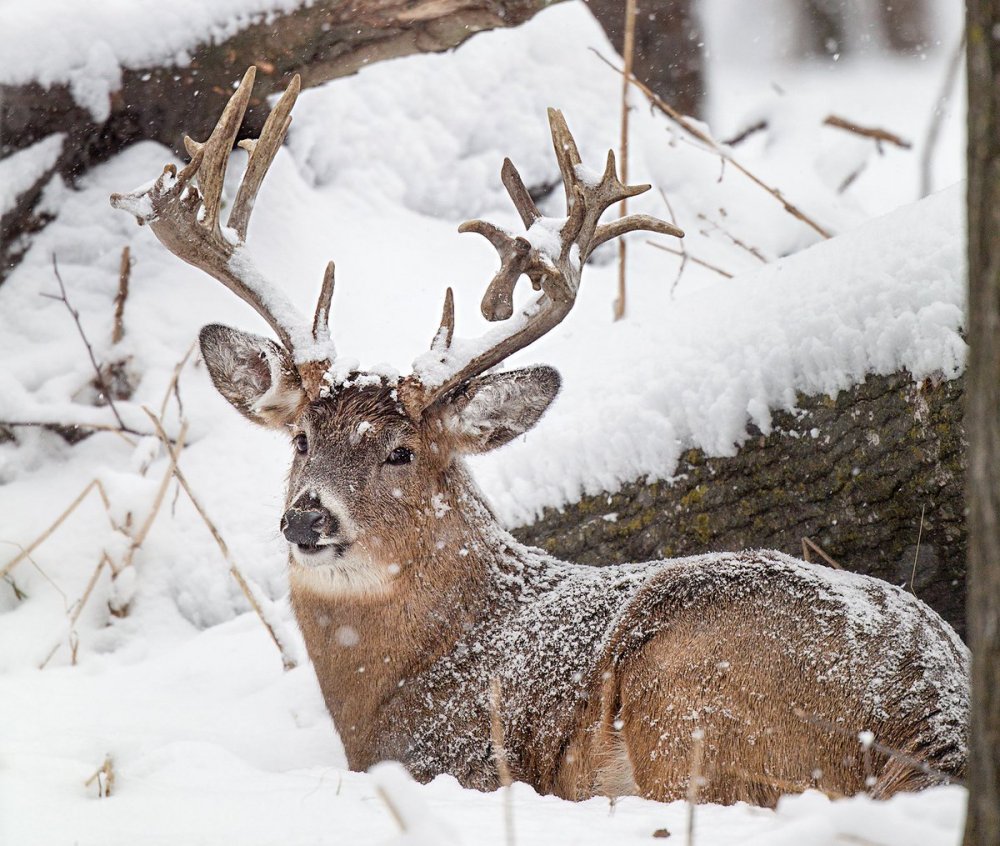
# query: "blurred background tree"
{"points": [[669, 48], [828, 27]]}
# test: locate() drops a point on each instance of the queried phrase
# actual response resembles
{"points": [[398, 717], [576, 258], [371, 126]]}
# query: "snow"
{"points": [[21, 170], [210, 740], [56, 42]]}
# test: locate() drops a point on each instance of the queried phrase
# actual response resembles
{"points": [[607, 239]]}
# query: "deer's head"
{"points": [[367, 472], [373, 456]]}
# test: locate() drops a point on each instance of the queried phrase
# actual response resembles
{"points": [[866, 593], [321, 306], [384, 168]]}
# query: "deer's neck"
{"points": [[427, 588]]}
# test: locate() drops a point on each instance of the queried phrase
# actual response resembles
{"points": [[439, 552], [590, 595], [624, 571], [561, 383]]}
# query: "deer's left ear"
{"points": [[490, 411]]}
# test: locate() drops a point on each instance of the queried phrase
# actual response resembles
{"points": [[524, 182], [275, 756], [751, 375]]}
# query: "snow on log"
{"points": [[110, 77]]}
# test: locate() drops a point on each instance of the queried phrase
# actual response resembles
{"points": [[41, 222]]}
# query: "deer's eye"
{"points": [[400, 455], [301, 443]]}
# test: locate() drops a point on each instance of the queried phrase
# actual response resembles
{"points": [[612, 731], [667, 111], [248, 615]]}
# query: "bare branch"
{"points": [[287, 661], [712, 144], [872, 132], [691, 258], [31, 547], [98, 375]]}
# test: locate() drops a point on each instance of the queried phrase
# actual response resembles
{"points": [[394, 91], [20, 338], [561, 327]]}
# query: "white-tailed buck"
{"points": [[415, 603]]}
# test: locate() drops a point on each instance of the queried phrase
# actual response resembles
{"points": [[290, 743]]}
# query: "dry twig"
{"points": [[287, 661], [691, 258], [94, 427], [628, 51], [105, 787], [383, 794], [31, 547], [876, 134], [743, 134], [694, 780], [124, 271], [937, 116], [139, 537], [98, 375], [809, 543], [888, 751], [683, 248], [916, 552], [736, 242], [500, 757], [712, 144], [77, 611], [173, 386]]}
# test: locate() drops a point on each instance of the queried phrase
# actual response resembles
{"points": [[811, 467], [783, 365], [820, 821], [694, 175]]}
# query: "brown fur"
{"points": [[769, 658]]}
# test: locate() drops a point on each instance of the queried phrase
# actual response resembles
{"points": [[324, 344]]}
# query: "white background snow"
{"points": [[211, 741]]}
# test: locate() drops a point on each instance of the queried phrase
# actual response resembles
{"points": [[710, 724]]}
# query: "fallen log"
{"points": [[874, 477], [321, 41]]}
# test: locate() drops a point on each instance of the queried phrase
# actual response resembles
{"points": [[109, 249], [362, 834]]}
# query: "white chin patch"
{"points": [[353, 574]]}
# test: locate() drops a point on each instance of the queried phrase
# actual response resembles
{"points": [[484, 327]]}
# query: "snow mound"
{"points": [[885, 297], [186, 693]]}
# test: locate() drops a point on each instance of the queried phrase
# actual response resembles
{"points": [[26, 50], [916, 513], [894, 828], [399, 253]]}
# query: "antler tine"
{"points": [[321, 320], [262, 153], [186, 221], [552, 257], [446, 331], [567, 154], [217, 148], [519, 194], [515, 259], [633, 223]]}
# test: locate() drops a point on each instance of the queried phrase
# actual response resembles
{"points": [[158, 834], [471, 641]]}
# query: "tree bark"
{"points": [[668, 48], [327, 39], [982, 824], [875, 477]]}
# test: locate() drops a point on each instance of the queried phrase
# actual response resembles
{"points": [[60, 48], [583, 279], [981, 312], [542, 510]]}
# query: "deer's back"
{"points": [[769, 645]]}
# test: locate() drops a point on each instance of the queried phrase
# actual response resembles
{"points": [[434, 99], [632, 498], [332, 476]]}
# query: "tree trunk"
{"points": [[327, 39], [825, 33], [982, 824], [668, 48], [838, 26], [875, 477], [905, 25]]}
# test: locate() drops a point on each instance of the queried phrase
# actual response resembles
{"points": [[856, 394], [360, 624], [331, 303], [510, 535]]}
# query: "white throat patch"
{"points": [[352, 575]]}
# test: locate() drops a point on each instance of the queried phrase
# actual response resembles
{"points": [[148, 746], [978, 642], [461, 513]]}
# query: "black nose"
{"points": [[307, 522]]}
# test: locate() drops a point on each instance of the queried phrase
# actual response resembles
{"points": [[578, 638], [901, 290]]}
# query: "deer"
{"points": [[441, 642]]}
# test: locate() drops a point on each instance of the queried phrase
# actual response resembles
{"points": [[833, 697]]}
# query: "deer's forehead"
{"points": [[359, 415]]}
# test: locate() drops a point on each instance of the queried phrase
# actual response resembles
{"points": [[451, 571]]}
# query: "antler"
{"points": [[551, 253], [185, 218]]}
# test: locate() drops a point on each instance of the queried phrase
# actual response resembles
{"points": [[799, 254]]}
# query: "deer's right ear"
{"points": [[256, 375]]}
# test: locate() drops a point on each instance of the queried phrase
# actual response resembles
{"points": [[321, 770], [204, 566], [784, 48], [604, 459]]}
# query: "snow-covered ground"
{"points": [[210, 741]]}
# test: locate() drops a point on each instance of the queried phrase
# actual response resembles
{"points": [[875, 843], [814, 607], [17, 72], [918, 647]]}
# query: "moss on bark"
{"points": [[853, 473]]}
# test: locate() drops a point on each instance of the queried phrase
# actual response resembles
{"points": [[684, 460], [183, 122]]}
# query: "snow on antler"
{"points": [[185, 217], [551, 253]]}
